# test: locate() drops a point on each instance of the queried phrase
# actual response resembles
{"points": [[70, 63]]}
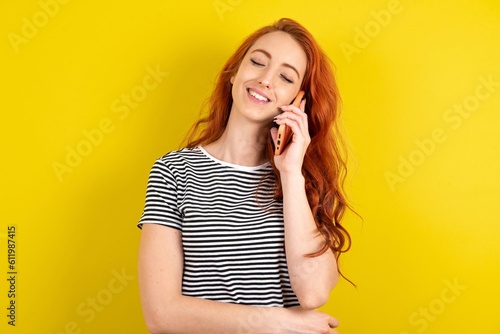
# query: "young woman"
{"points": [[234, 238]]}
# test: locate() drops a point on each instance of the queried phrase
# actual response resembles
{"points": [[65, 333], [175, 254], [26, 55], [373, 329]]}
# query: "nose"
{"points": [[266, 83], [265, 79]]}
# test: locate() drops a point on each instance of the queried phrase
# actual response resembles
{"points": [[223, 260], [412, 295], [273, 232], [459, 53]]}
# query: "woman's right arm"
{"points": [[166, 310]]}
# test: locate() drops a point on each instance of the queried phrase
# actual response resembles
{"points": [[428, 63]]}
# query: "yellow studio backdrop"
{"points": [[93, 92]]}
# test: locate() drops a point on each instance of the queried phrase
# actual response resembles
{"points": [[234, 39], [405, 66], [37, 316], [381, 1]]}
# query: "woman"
{"points": [[219, 212]]}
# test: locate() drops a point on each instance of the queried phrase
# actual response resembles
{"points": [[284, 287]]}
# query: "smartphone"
{"points": [[284, 134]]}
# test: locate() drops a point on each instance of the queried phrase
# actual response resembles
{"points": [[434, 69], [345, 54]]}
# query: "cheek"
{"points": [[286, 97], [238, 77], [246, 72], [236, 89]]}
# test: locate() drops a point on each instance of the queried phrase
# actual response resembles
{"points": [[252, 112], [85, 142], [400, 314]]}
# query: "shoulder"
{"points": [[182, 157], [183, 160]]}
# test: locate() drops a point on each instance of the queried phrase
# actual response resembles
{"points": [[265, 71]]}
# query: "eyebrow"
{"points": [[270, 57]]}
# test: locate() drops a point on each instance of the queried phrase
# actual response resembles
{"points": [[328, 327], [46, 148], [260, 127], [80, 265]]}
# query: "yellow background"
{"points": [[426, 257]]}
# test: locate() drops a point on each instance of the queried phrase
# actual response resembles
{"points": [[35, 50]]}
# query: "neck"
{"points": [[241, 145]]}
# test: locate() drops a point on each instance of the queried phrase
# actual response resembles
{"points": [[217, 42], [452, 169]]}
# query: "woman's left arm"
{"points": [[312, 278]]}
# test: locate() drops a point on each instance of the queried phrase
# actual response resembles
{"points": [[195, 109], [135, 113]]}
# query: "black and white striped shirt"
{"points": [[232, 227]]}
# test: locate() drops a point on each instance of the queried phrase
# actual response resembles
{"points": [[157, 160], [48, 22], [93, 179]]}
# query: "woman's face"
{"points": [[270, 75]]}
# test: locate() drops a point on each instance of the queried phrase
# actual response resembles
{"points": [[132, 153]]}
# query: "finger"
{"points": [[288, 115], [289, 110], [294, 113], [293, 109], [292, 122], [333, 323], [298, 123], [303, 105]]}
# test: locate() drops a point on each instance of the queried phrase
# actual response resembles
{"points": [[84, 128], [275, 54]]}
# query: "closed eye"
{"points": [[256, 63], [286, 78]]}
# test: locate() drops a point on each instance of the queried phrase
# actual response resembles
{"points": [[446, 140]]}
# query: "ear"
{"points": [[232, 80]]}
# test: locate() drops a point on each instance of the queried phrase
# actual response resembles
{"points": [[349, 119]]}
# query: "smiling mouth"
{"points": [[258, 96]]}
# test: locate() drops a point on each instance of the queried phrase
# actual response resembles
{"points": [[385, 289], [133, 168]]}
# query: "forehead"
{"points": [[283, 48]]}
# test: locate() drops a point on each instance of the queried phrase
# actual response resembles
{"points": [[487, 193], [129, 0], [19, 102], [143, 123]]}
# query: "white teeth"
{"points": [[257, 96]]}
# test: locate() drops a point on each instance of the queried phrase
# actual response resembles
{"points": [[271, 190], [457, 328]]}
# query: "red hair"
{"points": [[324, 166]]}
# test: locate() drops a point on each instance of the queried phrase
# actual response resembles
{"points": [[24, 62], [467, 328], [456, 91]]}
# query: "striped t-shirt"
{"points": [[232, 227]]}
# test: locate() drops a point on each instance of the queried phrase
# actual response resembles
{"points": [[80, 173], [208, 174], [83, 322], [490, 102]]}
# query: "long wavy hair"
{"points": [[324, 166]]}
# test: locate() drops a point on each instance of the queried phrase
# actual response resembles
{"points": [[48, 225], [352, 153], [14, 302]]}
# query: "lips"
{"points": [[258, 95]]}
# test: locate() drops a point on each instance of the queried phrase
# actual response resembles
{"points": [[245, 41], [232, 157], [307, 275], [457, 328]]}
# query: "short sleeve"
{"points": [[161, 198]]}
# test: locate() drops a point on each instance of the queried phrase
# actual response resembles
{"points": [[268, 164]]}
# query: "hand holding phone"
{"points": [[284, 134]]}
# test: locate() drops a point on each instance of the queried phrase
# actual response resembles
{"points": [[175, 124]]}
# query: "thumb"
{"points": [[274, 133]]}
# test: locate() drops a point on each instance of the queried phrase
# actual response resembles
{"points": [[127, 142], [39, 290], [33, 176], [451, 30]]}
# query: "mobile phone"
{"points": [[284, 134]]}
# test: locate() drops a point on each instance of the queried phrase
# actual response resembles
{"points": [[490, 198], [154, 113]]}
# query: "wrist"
{"points": [[278, 317], [292, 179]]}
